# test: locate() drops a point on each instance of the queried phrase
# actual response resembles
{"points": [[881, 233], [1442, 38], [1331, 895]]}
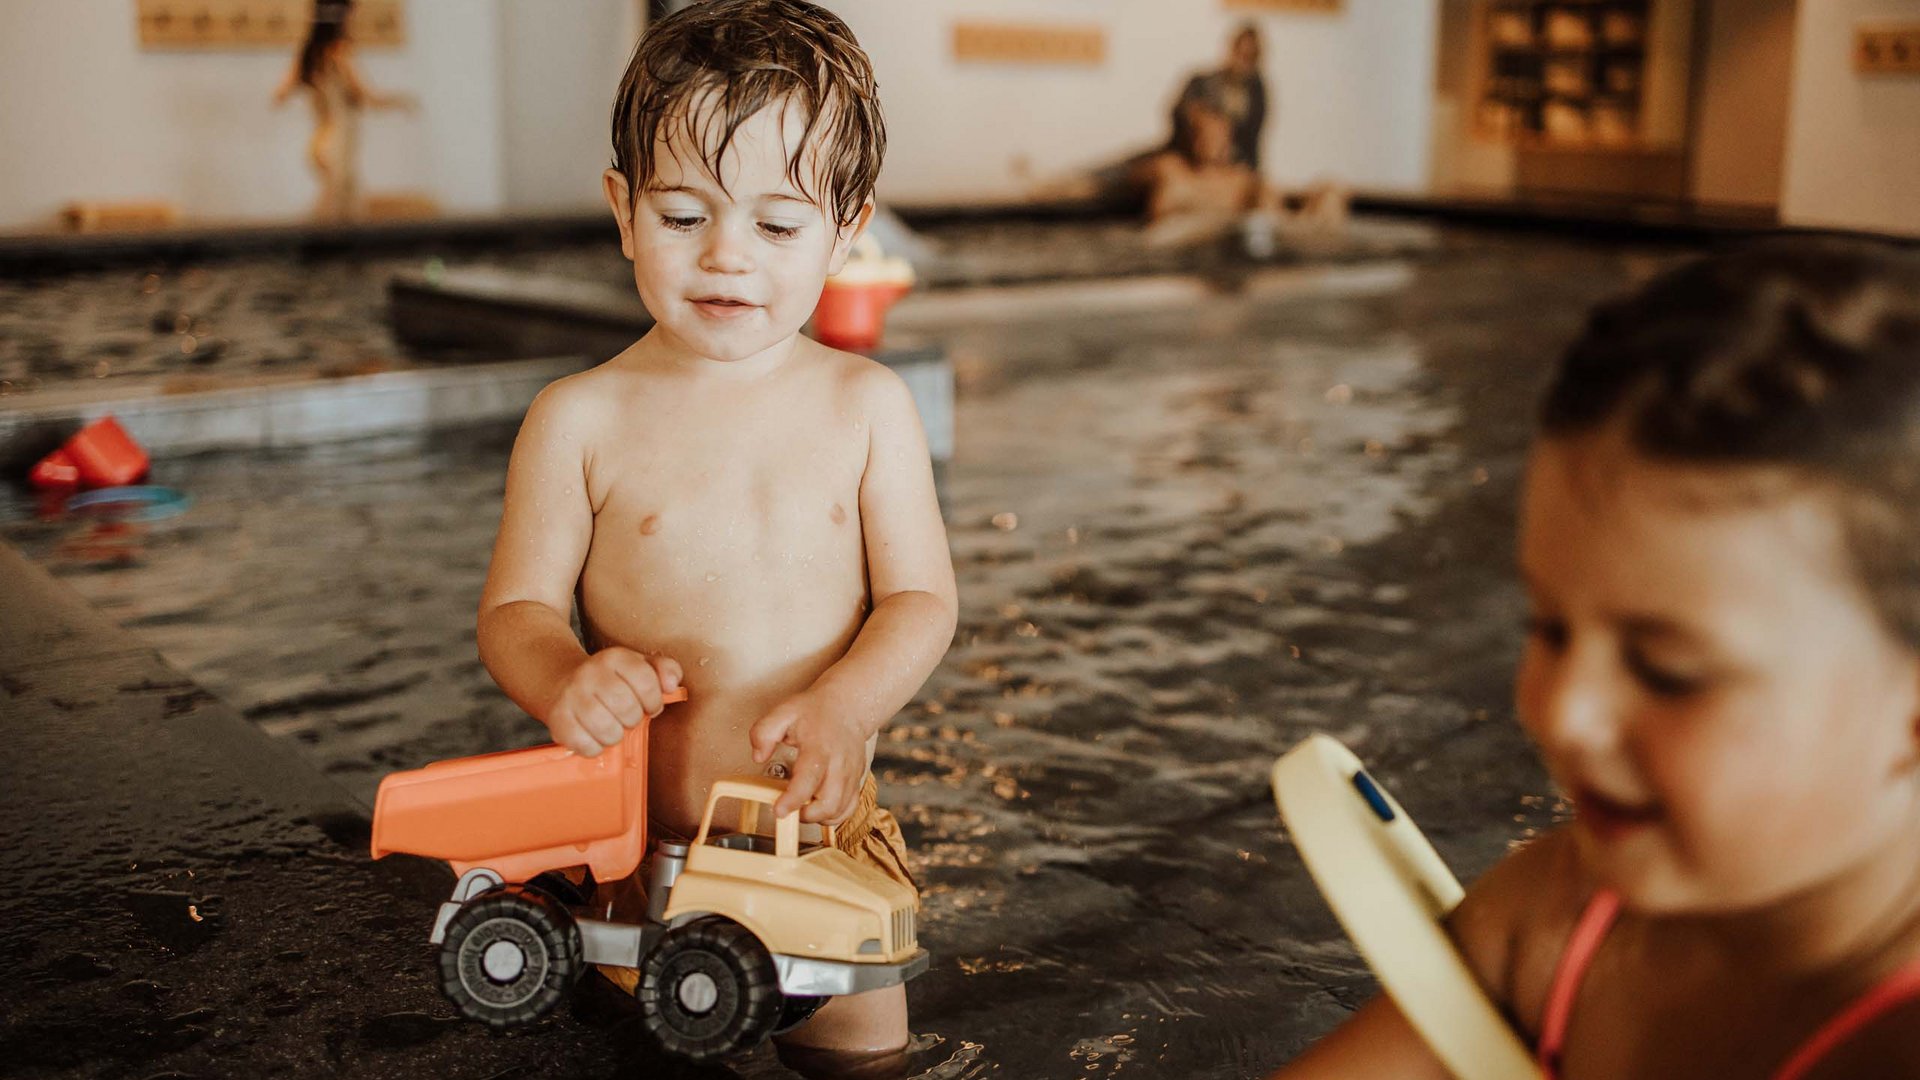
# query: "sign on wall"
{"points": [[244, 24], [1887, 49], [1310, 7], [1029, 43]]}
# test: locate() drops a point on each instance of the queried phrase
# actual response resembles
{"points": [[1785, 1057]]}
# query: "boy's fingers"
{"points": [[636, 673], [640, 682], [668, 670], [601, 723], [829, 798], [807, 774], [620, 702], [577, 739], [826, 794], [768, 733]]}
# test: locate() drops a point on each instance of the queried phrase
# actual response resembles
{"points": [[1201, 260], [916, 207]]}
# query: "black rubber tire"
{"points": [[743, 986], [548, 954], [796, 1009]]}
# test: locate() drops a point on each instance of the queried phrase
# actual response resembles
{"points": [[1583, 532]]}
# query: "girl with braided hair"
{"points": [[1721, 541]]}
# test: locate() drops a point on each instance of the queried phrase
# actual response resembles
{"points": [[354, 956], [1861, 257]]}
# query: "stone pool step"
{"points": [[171, 417], [186, 896]]}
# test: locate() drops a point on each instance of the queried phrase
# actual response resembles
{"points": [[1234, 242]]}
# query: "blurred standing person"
{"points": [[324, 69]]}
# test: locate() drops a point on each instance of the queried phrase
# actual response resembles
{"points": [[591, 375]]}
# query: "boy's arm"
{"points": [[910, 576], [525, 627]]}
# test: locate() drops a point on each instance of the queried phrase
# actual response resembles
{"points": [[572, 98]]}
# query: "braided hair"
{"points": [[1800, 354]]}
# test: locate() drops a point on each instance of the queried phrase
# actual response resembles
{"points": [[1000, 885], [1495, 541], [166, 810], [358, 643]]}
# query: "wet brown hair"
{"points": [[711, 66], [1798, 354]]}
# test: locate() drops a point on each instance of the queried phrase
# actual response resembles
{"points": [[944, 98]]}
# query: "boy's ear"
{"points": [[843, 242], [620, 201]]}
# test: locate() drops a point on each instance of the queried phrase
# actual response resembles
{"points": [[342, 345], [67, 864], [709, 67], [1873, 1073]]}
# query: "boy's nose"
{"points": [[725, 253]]}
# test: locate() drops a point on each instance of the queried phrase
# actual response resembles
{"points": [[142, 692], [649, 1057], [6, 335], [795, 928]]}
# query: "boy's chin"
{"points": [[730, 345]]}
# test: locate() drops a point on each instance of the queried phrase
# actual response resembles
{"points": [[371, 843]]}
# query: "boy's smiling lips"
{"points": [[721, 306]]}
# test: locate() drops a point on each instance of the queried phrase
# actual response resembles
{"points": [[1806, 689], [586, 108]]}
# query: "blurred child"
{"points": [[734, 507], [324, 69], [1721, 539]]}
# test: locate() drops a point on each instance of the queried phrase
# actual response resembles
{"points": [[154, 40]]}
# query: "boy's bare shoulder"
{"points": [[574, 405], [1515, 920], [874, 388]]}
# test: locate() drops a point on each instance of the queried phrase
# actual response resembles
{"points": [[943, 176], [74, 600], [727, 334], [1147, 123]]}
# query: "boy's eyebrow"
{"points": [[682, 189]]}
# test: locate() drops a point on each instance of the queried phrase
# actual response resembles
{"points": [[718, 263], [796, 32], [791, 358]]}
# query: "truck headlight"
{"points": [[871, 946]]}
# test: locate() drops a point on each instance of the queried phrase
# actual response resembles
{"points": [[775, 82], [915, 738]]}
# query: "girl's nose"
{"points": [[726, 252], [1578, 708]]}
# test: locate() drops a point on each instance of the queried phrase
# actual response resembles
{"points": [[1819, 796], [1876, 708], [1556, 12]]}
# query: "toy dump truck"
{"points": [[749, 928]]}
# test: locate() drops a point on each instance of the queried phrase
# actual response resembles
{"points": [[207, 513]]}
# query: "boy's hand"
{"points": [[609, 693], [831, 764]]}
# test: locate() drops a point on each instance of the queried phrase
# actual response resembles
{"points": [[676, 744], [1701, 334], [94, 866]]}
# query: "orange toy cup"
{"points": [[56, 471], [852, 316], [853, 305], [101, 454]]}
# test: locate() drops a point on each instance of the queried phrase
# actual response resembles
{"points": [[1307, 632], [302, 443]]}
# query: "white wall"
{"points": [[559, 75], [515, 96], [1853, 141], [86, 113], [1352, 93]]}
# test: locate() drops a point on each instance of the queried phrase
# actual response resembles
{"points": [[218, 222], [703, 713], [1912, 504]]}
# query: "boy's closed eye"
{"points": [[774, 230]]}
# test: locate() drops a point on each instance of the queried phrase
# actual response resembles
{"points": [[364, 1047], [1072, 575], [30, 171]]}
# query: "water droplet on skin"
{"points": [[705, 660], [713, 577]]}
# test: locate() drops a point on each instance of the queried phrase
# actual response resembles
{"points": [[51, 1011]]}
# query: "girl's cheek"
{"points": [[1530, 690]]}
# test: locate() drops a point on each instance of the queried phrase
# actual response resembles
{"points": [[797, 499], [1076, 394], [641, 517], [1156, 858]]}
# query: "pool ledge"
{"points": [[186, 896]]}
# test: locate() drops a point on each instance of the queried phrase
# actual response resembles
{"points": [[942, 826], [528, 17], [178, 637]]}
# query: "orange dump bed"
{"points": [[522, 812]]}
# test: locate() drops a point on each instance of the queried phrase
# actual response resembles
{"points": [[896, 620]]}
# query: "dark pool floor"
{"points": [[1185, 539]]}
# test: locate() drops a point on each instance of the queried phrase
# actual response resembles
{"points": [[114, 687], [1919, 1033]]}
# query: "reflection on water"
{"points": [[1185, 538]]}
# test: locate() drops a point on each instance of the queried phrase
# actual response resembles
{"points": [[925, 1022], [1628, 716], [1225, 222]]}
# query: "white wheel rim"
{"points": [[698, 992], [503, 961]]}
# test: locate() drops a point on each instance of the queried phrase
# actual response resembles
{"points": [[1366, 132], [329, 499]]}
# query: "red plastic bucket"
{"points": [[853, 317]]}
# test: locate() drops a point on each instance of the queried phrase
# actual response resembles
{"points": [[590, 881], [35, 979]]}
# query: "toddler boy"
{"points": [[734, 507]]}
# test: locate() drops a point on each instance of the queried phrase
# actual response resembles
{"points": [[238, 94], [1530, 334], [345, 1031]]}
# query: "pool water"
{"points": [[1185, 538]]}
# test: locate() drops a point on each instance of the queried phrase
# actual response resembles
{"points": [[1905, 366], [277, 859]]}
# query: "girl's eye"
{"points": [[1662, 681], [680, 224], [779, 232], [1551, 633]]}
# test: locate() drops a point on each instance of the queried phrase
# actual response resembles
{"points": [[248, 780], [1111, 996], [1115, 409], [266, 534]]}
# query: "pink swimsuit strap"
{"points": [[1896, 989]]}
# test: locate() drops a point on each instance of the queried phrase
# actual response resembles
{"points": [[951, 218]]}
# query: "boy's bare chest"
{"points": [[724, 492]]}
